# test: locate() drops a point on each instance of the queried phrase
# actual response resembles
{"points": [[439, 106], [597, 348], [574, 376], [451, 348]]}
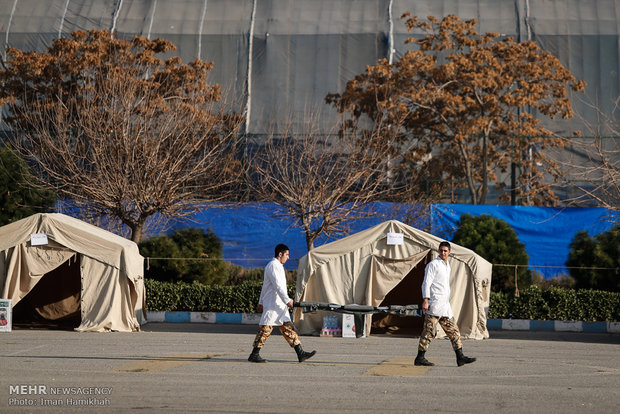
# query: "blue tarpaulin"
{"points": [[250, 232], [546, 232]]}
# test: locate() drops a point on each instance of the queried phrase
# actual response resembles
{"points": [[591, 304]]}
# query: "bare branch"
{"points": [[321, 181], [593, 164], [125, 145]]}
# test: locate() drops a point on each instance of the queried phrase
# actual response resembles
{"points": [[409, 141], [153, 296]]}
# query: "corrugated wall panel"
{"points": [[305, 49]]}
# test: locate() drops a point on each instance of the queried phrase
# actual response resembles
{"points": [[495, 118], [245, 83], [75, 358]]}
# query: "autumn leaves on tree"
{"points": [[466, 106], [106, 123]]}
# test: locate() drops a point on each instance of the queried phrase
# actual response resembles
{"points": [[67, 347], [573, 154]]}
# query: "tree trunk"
{"points": [[308, 232], [309, 241], [468, 173], [483, 195], [137, 229]]}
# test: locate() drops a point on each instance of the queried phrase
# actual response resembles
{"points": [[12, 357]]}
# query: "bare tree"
{"points": [[105, 123], [322, 182], [592, 163]]}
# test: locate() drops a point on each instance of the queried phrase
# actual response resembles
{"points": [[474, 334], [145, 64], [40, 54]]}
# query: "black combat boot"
{"points": [[303, 355], [462, 359], [421, 360], [255, 356]]}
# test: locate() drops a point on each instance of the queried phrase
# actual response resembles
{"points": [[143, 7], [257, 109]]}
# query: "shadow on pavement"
{"points": [[201, 328], [585, 337]]}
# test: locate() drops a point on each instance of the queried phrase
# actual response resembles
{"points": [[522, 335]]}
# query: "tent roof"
{"points": [[78, 236], [369, 237]]}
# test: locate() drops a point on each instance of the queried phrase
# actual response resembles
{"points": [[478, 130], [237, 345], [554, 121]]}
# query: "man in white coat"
{"points": [[274, 303], [437, 309]]}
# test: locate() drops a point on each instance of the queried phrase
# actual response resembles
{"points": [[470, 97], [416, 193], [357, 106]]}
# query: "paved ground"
{"points": [[203, 368]]}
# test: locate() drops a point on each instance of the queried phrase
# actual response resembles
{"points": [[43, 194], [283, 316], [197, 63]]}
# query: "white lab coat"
{"points": [[436, 287], [273, 295]]}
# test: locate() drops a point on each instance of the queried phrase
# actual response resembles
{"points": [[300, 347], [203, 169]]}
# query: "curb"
{"points": [[492, 324], [557, 326], [204, 317]]}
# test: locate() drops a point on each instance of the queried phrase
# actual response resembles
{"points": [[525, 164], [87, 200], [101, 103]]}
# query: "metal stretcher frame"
{"points": [[358, 311], [403, 310]]}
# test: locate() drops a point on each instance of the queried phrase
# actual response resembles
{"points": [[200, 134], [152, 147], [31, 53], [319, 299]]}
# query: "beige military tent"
{"points": [[384, 265], [56, 268]]}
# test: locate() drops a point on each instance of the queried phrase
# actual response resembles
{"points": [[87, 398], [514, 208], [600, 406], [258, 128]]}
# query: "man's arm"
{"points": [[429, 276], [277, 278], [281, 289], [259, 307]]}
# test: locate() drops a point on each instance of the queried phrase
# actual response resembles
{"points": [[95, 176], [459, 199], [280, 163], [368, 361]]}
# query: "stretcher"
{"points": [[402, 310], [358, 311]]}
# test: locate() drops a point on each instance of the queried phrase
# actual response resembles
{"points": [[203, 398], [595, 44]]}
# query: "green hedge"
{"points": [[181, 296], [556, 304], [533, 303]]}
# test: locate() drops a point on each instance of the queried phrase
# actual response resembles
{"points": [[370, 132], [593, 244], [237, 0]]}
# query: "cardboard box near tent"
{"points": [[384, 265], [60, 271]]}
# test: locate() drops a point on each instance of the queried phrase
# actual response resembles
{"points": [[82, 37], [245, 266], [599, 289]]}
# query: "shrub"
{"points": [[196, 297], [556, 304], [602, 251], [562, 304], [596, 305], [497, 242], [161, 296], [201, 245], [18, 199], [559, 281], [499, 305], [236, 274], [530, 305]]}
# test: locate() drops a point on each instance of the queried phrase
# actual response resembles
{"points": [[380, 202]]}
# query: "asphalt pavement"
{"points": [[178, 367]]}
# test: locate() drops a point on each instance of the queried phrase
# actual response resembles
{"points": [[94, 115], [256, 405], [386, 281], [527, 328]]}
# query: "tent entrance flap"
{"points": [[54, 302], [409, 291]]}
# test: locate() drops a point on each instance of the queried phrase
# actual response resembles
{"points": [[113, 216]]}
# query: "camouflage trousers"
{"points": [[288, 332], [430, 331]]}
